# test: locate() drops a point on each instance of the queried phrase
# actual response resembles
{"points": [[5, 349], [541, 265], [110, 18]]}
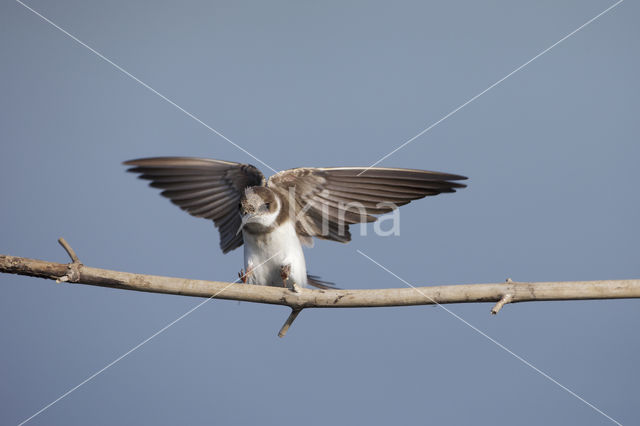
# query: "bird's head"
{"points": [[259, 208]]}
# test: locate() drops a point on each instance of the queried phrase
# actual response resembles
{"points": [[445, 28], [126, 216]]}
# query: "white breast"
{"points": [[266, 253]]}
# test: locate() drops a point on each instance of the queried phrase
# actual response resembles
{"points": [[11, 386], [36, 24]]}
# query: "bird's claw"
{"points": [[245, 276], [285, 271]]}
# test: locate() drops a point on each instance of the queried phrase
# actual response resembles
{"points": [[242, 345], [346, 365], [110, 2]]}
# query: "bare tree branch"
{"points": [[307, 298], [502, 293]]}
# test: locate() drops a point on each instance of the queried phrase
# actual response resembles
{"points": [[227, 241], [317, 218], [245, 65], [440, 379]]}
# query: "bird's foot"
{"points": [[245, 276], [285, 271]]}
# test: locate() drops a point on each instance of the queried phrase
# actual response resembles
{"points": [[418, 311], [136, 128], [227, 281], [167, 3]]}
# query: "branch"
{"points": [[505, 299], [71, 252], [502, 293], [73, 268], [292, 317]]}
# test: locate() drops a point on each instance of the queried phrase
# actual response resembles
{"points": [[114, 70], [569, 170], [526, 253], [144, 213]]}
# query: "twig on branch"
{"points": [[502, 293], [72, 254], [292, 317], [73, 268], [505, 299]]}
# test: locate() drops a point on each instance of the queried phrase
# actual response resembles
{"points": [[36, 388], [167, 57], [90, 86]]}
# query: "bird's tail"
{"points": [[318, 283]]}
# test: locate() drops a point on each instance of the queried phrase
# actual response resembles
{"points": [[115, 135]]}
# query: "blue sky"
{"points": [[551, 153]]}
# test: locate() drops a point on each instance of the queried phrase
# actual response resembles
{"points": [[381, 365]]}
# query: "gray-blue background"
{"points": [[552, 155]]}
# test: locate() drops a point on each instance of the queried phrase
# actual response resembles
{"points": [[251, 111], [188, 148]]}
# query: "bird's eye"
{"points": [[267, 205]]}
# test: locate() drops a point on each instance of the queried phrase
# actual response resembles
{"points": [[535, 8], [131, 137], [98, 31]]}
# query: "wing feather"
{"points": [[202, 187], [408, 183], [327, 200]]}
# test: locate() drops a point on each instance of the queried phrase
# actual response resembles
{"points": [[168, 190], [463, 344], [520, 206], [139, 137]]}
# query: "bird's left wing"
{"points": [[203, 187], [326, 201]]}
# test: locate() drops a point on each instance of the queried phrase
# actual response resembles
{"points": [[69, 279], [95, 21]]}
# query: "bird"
{"points": [[274, 218]]}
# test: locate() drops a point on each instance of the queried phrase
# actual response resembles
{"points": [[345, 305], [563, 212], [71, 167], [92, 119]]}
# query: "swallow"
{"points": [[274, 218]]}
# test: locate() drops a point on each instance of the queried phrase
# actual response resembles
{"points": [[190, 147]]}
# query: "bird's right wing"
{"points": [[202, 187]]}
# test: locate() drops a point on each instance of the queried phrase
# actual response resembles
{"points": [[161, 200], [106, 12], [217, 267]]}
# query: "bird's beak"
{"points": [[245, 219]]}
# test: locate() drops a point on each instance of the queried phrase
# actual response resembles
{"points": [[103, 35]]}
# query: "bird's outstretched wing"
{"points": [[348, 195], [202, 187]]}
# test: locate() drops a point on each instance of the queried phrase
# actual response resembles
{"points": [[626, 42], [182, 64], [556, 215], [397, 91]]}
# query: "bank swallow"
{"points": [[273, 218]]}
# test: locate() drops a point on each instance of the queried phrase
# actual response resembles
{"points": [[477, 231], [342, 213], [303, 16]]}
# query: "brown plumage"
{"points": [[210, 189], [340, 196]]}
